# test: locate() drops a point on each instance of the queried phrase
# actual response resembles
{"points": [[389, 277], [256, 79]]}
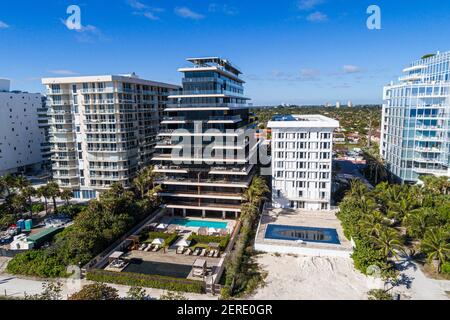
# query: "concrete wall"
{"points": [[315, 252], [20, 136]]}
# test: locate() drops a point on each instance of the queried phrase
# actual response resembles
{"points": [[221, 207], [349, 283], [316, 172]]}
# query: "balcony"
{"points": [[424, 138], [59, 102], [98, 102], [58, 92], [204, 182], [63, 158], [111, 168], [109, 150], [170, 169], [69, 176], [437, 172], [97, 90], [204, 106], [241, 171], [202, 195], [428, 149], [410, 77], [53, 112], [203, 206], [62, 149], [100, 121], [61, 131], [100, 111]]}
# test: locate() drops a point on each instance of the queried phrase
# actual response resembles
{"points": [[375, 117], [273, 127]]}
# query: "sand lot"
{"points": [[311, 278]]}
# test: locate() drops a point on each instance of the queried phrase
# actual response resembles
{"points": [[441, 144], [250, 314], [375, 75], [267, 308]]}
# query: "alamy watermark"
{"points": [[374, 20], [73, 22]]}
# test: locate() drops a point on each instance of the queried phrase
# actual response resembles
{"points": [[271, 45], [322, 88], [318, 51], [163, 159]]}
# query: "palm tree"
{"points": [[22, 182], [437, 185], [418, 221], [66, 195], [388, 242], [17, 203], [256, 191], [8, 182], [398, 210], [144, 180], [29, 192], [44, 193], [357, 189], [53, 192], [373, 223], [436, 246]]}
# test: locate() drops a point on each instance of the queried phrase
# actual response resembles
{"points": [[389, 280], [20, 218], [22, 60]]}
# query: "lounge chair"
{"points": [[188, 252], [142, 247], [149, 247], [210, 253], [216, 254], [203, 254], [197, 252], [180, 250]]}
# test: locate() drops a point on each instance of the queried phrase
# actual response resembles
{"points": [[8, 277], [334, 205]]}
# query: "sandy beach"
{"points": [[311, 278]]}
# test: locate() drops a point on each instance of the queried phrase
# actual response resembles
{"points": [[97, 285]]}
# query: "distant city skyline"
{"points": [[304, 52]]}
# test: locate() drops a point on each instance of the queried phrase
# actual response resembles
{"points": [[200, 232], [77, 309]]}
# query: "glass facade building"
{"points": [[416, 120], [206, 146]]}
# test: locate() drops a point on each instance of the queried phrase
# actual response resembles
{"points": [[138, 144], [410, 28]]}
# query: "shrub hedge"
{"points": [[222, 241], [149, 281], [169, 238]]}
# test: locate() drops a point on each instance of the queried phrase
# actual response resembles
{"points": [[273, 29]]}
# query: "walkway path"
{"points": [[18, 287], [416, 286]]}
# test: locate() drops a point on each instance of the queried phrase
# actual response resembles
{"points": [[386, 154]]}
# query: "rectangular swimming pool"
{"points": [[158, 268], [307, 234], [199, 223]]}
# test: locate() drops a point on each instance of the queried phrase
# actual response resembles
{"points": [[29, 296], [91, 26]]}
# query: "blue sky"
{"points": [[291, 51]]}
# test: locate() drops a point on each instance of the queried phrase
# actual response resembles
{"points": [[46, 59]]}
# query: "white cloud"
{"points": [[187, 13], [317, 17], [137, 5], [306, 5], [63, 72], [225, 9], [145, 10], [3, 25], [348, 69], [309, 74]]}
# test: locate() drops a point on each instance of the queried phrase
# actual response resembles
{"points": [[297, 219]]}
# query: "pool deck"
{"points": [[315, 219], [230, 223], [172, 257]]}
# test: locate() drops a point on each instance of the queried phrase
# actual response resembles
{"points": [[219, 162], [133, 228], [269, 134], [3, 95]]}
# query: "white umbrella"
{"points": [[183, 243], [158, 242], [163, 226], [212, 230]]}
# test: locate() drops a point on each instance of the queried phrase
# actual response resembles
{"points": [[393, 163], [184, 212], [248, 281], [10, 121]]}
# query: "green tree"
{"points": [[144, 180], [379, 294], [436, 246], [54, 192], [256, 191], [96, 291], [173, 296], [66, 195], [29, 192], [44, 193], [50, 291], [388, 241], [137, 293], [7, 183], [21, 182]]}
